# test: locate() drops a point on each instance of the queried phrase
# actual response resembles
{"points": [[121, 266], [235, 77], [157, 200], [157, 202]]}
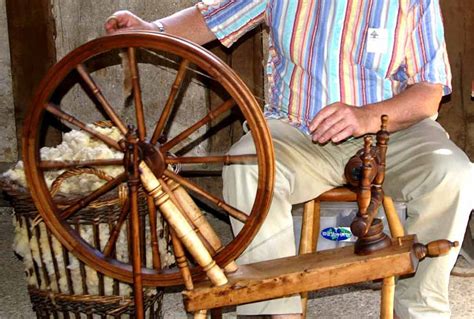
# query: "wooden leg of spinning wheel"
{"points": [[388, 293], [201, 314], [182, 262], [309, 238], [388, 286], [199, 220], [135, 227], [394, 223], [163, 197]]}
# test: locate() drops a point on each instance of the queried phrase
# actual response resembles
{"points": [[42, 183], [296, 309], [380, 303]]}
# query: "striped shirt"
{"points": [[323, 51]]}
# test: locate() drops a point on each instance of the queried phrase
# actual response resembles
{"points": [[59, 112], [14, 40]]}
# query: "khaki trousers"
{"points": [[424, 169]]}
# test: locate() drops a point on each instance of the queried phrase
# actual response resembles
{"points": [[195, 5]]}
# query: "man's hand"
{"points": [[125, 20], [339, 121]]}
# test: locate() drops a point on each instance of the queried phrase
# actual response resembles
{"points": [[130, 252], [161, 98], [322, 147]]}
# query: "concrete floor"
{"points": [[360, 301]]}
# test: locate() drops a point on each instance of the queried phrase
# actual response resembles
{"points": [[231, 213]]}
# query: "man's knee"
{"points": [[443, 168]]}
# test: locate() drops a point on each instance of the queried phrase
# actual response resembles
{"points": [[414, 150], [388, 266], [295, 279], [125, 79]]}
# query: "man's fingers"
{"points": [[115, 22], [322, 135], [345, 133], [111, 24], [321, 116], [120, 20], [331, 122]]}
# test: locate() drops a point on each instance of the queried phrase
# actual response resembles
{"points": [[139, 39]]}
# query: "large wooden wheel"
{"points": [[80, 73]]}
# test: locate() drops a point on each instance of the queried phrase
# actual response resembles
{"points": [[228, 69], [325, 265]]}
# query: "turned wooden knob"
{"points": [[434, 249], [359, 226]]}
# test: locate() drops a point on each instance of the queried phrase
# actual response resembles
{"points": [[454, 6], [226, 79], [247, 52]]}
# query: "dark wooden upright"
{"points": [[31, 31]]}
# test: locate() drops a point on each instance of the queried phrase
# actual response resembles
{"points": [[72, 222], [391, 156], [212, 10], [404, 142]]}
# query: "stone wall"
{"points": [[8, 141], [80, 21]]}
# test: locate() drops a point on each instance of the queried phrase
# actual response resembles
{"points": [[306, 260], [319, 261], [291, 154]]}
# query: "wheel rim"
{"points": [[34, 165]]}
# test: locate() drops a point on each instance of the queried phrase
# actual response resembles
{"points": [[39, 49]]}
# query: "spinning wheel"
{"points": [[161, 150], [161, 169]]}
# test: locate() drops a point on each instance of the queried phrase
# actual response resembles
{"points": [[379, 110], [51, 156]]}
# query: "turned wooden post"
{"points": [[197, 218], [366, 171], [133, 183], [181, 226]]}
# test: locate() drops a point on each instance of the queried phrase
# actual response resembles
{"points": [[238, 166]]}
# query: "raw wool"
{"points": [[47, 257], [39, 250], [35, 252], [21, 247], [76, 145], [74, 268]]}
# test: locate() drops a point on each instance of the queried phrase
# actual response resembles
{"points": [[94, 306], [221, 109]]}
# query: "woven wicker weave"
{"points": [[51, 301]]}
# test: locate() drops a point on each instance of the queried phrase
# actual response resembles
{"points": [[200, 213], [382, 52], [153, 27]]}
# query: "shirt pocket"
{"points": [[377, 53]]}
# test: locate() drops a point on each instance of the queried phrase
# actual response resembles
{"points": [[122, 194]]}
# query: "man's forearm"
{"points": [[418, 102], [189, 24], [339, 121]]}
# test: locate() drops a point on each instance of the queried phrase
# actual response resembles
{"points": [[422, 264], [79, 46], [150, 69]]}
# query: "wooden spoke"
{"points": [[227, 105], [200, 172], [74, 121], [225, 159], [170, 101], [109, 248], [215, 200], [100, 97], [83, 202], [156, 260], [137, 93], [52, 165]]}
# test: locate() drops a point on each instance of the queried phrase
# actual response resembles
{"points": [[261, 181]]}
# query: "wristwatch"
{"points": [[159, 25]]}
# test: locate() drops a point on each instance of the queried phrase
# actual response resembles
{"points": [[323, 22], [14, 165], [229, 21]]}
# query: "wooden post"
{"points": [[133, 182], [31, 33], [394, 223], [388, 285], [181, 226], [198, 219], [457, 111]]}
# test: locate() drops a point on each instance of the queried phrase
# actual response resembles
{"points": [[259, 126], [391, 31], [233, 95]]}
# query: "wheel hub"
{"points": [[153, 157]]}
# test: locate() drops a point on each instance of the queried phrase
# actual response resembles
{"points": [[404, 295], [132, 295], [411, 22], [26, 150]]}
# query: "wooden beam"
{"points": [[308, 272], [457, 113], [31, 32]]}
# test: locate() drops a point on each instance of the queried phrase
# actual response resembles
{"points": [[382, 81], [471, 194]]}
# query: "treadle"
{"points": [[308, 272]]}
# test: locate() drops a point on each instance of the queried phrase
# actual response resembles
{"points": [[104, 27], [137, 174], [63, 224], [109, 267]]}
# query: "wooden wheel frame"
{"points": [[145, 149]]}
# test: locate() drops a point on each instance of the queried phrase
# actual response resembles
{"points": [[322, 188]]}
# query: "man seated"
{"points": [[334, 68]]}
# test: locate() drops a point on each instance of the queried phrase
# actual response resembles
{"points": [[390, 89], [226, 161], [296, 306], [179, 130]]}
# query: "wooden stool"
{"points": [[311, 228]]}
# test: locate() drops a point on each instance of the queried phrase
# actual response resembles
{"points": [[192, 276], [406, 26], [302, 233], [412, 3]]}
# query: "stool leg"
{"points": [[388, 286], [309, 237]]}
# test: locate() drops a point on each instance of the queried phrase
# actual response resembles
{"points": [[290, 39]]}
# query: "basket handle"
{"points": [[75, 172], [122, 190]]}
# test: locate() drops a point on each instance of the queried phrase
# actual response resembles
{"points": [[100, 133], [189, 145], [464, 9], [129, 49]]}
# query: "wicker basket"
{"points": [[58, 283]]}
